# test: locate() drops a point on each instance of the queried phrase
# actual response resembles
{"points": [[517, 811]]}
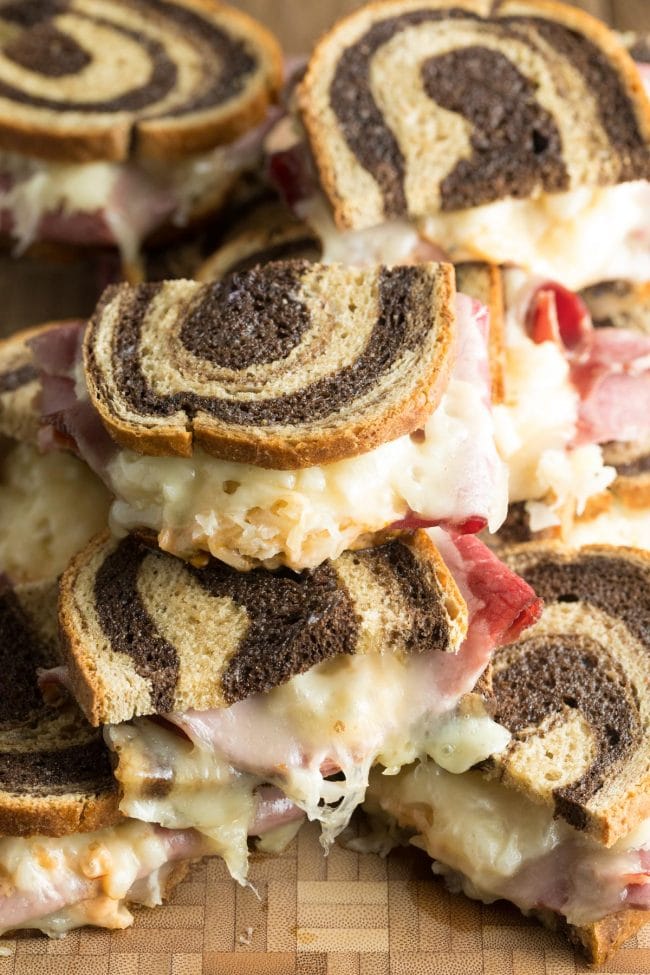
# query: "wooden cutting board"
{"points": [[342, 915], [347, 914]]}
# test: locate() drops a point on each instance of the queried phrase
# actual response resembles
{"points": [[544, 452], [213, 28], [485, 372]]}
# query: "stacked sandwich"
{"points": [[288, 610], [304, 629]]}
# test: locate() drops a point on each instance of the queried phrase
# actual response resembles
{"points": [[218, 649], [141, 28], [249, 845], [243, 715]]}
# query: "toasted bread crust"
{"points": [[598, 941], [126, 134]]}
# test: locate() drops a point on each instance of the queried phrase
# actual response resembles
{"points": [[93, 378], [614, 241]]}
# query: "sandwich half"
{"points": [[578, 467], [121, 119], [51, 504], [213, 684], [559, 821], [514, 131], [286, 413]]}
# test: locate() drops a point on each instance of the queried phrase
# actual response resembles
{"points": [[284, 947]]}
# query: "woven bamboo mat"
{"points": [[347, 914]]}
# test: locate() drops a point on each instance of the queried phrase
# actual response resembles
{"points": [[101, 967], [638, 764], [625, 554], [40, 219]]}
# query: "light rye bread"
{"points": [[284, 367], [147, 633], [55, 773], [402, 123], [484, 282], [20, 385], [574, 689], [106, 79]]}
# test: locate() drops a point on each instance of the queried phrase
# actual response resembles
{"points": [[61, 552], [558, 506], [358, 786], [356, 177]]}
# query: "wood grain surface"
{"points": [[344, 915]]}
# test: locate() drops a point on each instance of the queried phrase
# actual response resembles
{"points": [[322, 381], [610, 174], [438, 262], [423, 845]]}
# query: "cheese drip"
{"points": [[492, 842], [344, 716]]}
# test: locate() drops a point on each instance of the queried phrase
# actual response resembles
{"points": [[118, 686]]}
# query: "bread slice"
{"points": [[574, 689], [484, 282], [55, 773], [415, 107], [81, 81], [270, 233], [284, 366], [20, 385], [146, 633]]}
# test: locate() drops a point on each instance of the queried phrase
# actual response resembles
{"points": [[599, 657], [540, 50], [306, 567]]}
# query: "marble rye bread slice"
{"points": [[81, 80], [416, 107], [147, 633], [55, 773], [574, 689], [284, 366]]}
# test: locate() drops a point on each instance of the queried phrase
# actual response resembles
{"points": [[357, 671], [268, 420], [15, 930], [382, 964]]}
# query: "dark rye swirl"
{"points": [[147, 633], [83, 80], [575, 690], [284, 366], [55, 774], [413, 108]]}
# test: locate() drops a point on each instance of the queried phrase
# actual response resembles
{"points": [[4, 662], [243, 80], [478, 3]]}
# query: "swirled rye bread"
{"points": [[148, 633], [574, 689], [81, 81], [55, 775], [283, 366], [417, 107]]}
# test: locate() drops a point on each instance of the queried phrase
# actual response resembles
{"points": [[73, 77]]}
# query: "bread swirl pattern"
{"points": [[55, 775], [147, 633], [562, 108], [573, 691], [284, 366], [199, 74]]}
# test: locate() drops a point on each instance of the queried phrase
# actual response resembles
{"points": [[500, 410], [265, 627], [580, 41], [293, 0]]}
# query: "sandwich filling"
{"points": [[491, 842], [50, 507], [595, 386], [108, 203], [54, 884], [316, 737]]}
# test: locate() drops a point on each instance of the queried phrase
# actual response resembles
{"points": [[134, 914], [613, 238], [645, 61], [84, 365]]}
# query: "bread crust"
{"points": [[601, 939], [58, 815], [123, 137]]}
